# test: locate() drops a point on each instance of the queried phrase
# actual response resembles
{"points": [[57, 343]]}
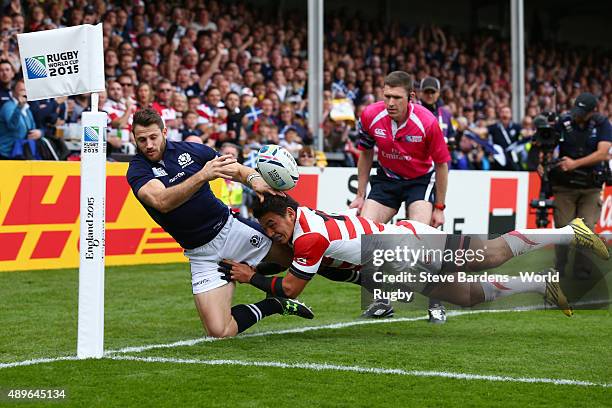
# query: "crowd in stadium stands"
{"points": [[221, 73]]}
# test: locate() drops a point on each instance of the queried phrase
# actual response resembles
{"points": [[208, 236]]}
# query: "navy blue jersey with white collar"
{"points": [[200, 218]]}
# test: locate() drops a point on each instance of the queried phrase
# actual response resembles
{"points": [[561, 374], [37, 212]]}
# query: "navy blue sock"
{"points": [[248, 315]]}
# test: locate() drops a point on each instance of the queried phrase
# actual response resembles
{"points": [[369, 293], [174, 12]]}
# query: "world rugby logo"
{"points": [[36, 67], [91, 133], [52, 65]]}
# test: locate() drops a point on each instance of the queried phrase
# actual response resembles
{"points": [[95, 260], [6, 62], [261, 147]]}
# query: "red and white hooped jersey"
{"points": [[335, 240], [116, 110], [166, 112], [209, 115]]}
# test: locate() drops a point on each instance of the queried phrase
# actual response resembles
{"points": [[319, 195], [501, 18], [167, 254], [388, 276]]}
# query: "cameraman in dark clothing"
{"points": [[585, 138]]}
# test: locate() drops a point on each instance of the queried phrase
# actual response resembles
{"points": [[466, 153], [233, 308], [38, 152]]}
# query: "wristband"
{"points": [[271, 285], [269, 268], [439, 206], [250, 177]]}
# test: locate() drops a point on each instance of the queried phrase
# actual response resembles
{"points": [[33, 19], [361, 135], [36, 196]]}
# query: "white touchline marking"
{"points": [[37, 361], [365, 370], [192, 342]]}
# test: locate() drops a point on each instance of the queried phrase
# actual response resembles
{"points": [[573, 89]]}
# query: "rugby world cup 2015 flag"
{"points": [[62, 62]]}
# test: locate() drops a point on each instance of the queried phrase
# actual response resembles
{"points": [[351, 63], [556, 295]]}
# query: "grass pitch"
{"points": [[391, 363]]}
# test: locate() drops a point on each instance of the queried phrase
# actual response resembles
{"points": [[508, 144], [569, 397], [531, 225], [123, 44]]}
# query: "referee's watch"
{"points": [[439, 206]]}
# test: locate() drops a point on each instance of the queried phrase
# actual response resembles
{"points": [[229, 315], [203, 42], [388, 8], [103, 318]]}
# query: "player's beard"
{"points": [[162, 149]]}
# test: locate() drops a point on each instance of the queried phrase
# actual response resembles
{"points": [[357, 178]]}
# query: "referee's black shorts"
{"points": [[393, 192]]}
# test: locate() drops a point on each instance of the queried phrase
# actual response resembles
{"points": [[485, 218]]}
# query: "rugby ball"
{"points": [[277, 167]]}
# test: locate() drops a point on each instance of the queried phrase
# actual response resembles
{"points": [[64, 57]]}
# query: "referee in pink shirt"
{"points": [[412, 167]]}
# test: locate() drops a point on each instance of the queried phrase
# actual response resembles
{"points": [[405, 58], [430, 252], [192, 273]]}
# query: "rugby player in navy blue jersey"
{"points": [[171, 181]]}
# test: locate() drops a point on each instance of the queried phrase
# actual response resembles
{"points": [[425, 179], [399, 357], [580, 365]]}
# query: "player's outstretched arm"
{"points": [[253, 180], [289, 286], [156, 195]]}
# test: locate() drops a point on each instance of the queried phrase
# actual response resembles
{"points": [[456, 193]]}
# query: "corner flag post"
{"points": [[90, 341], [63, 62]]}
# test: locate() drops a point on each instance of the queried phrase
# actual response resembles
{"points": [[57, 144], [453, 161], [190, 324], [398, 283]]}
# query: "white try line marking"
{"points": [[364, 370], [192, 342], [37, 361], [342, 325]]}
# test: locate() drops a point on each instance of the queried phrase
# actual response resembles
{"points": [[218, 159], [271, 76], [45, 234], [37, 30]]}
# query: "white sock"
{"points": [[526, 240], [497, 289]]}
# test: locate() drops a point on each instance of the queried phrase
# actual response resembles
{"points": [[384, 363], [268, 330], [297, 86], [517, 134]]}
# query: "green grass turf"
{"points": [[153, 304], [121, 383]]}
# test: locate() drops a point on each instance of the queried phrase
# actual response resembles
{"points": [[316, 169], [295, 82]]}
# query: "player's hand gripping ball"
{"points": [[277, 167]]}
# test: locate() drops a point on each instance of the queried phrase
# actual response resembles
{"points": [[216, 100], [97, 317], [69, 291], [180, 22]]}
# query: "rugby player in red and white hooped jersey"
{"points": [[320, 239], [412, 165]]}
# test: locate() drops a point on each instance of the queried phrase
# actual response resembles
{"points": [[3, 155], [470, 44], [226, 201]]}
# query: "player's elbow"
{"points": [[162, 207], [154, 199]]}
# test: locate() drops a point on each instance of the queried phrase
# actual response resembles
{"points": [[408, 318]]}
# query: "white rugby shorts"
{"points": [[237, 241]]}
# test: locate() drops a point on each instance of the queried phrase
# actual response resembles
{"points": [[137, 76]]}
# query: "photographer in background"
{"points": [[585, 138]]}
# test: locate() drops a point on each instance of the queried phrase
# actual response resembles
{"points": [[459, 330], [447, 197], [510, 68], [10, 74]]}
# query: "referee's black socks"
{"points": [[248, 315]]}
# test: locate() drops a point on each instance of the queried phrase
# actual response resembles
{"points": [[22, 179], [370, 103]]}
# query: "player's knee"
{"points": [[475, 295], [220, 332], [467, 299], [472, 301]]}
